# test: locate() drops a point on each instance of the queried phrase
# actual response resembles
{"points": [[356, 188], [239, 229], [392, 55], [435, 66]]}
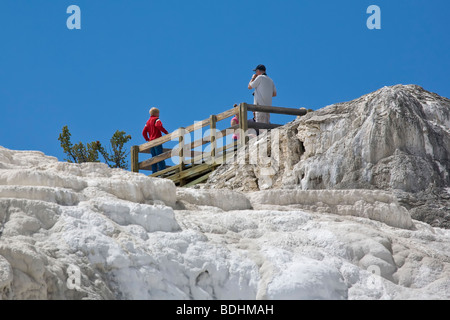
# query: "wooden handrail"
{"points": [[144, 148], [227, 114], [185, 151], [147, 164], [278, 110], [259, 125], [197, 125]]}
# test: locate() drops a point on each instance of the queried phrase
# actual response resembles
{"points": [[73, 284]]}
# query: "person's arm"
{"points": [[158, 124], [145, 134], [253, 84], [274, 92]]}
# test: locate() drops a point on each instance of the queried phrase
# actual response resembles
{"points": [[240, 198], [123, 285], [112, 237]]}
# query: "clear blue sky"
{"points": [[195, 58]]}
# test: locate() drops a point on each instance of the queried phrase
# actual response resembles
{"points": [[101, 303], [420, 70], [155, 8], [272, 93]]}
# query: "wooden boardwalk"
{"points": [[195, 166]]}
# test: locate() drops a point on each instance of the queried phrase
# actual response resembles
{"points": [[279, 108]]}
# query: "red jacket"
{"points": [[153, 128]]}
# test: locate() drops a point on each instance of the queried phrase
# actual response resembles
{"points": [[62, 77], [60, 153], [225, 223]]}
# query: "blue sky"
{"points": [[195, 58]]}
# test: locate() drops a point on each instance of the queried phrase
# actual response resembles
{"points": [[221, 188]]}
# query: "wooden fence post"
{"points": [[181, 154], [135, 158], [212, 135], [243, 124]]}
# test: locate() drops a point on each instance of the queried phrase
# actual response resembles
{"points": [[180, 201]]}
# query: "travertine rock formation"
{"points": [[395, 139]]}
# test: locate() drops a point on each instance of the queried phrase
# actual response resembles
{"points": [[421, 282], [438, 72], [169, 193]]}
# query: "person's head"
{"points": [[154, 112], [260, 69]]}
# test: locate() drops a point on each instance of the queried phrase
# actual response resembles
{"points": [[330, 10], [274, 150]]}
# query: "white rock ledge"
{"points": [[224, 199], [373, 204]]}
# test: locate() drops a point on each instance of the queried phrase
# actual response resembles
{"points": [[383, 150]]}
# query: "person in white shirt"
{"points": [[264, 92]]}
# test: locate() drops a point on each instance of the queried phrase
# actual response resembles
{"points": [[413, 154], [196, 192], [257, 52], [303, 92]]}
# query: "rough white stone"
{"points": [[373, 204], [395, 139], [134, 237]]}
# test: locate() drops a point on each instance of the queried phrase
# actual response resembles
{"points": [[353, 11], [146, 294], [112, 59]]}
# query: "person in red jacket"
{"points": [[152, 131]]}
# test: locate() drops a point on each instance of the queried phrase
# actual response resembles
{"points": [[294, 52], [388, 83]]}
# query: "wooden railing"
{"points": [[200, 161]]}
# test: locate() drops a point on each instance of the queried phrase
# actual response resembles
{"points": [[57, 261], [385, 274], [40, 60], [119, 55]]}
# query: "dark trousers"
{"points": [[155, 151]]}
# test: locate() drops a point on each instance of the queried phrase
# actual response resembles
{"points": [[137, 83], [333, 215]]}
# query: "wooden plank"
{"points": [[228, 146], [147, 164], [148, 151], [227, 114], [174, 178], [260, 125], [230, 130], [204, 157], [162, 172], [135, 158], [279, 110], [198, 180], [195, 153], [197, 143], [198, 125], [145, 148], [189, 172], [192, 172]]}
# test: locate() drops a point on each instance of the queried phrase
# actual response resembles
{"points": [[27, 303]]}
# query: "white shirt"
{"points": [[264, 90]]}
